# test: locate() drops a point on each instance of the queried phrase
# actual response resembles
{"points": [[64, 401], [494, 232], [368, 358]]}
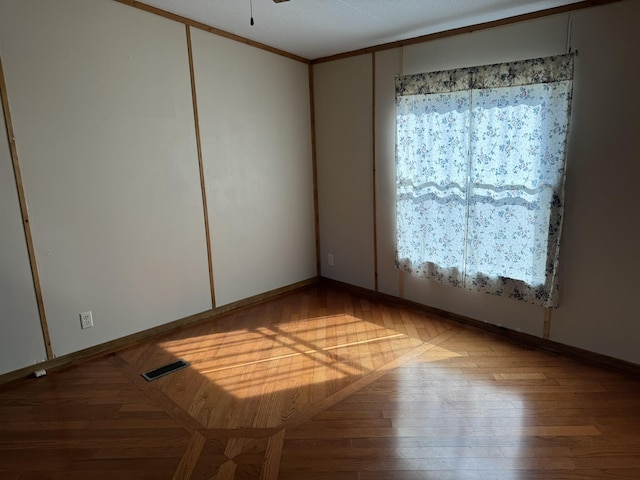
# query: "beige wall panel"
{"points": [[600, 257], [21, 341], [256, 142], [388, 65], [541, 37], [343, 106], [101, 103], [504, 312]]}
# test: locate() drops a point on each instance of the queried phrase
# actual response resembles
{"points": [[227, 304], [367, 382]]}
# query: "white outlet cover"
{"points": [[86, 320]]}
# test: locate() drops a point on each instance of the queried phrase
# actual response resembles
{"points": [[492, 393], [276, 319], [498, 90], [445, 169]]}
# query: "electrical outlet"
{"points": [[330, 259], [86, 320]]}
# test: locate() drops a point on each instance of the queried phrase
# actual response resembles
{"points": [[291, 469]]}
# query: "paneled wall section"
{"points": [[598, 311], [101, 101]]}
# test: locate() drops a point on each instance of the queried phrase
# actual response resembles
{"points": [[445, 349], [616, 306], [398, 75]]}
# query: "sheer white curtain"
{"points": [[480, 162]]}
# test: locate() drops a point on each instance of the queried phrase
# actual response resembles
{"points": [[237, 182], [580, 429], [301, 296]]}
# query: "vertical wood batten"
{"points": [[205, 208], [373, 158], [400, 272], [314, 166], [547, 324], [25, 215]]}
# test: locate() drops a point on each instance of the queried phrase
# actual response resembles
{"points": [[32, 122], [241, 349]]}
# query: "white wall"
{"points": [[599, 258], [21, 341], [344, 145], [253, 109], [100, 98], [535, 38], [388, 65]]}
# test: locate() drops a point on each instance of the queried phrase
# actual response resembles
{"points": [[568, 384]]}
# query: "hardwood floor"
{"points": [[323, 384]]}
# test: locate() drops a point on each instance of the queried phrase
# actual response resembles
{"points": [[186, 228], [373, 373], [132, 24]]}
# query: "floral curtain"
{"points": [[480, 166]]}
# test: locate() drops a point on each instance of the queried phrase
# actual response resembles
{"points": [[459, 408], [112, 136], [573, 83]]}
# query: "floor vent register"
{"points": [[164, 370]]}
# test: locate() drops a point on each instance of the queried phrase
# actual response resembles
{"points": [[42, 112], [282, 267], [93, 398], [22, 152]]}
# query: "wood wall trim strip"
{"points": [[25, 215], [314, 167], [546, 331], [139, 337], [210, 29], [374, 48], [373, 161], [518, 337], [469, 29], [203, 187]]}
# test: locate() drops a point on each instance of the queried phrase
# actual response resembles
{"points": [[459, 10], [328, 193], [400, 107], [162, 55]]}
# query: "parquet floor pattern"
{"points": [[324, 384]]}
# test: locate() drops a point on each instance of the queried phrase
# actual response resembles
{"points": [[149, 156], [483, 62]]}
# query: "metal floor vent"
{"points": [[165, 370]]}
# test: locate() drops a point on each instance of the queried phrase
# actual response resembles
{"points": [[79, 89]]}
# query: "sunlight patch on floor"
{"points": [[290, 355]]}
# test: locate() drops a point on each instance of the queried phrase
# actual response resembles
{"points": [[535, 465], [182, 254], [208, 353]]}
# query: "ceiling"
{"points": [[319, 28]]}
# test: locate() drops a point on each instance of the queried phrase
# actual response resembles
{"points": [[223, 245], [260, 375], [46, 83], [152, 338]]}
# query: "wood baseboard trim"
{"points": [[524, 339], [136, 338]]}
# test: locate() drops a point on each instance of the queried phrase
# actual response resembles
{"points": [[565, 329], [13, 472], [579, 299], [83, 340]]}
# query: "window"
{"points": [[480, 162]]}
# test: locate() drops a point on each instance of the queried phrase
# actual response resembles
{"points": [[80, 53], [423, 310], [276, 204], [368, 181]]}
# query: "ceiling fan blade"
{"points": [[280, 1]]}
